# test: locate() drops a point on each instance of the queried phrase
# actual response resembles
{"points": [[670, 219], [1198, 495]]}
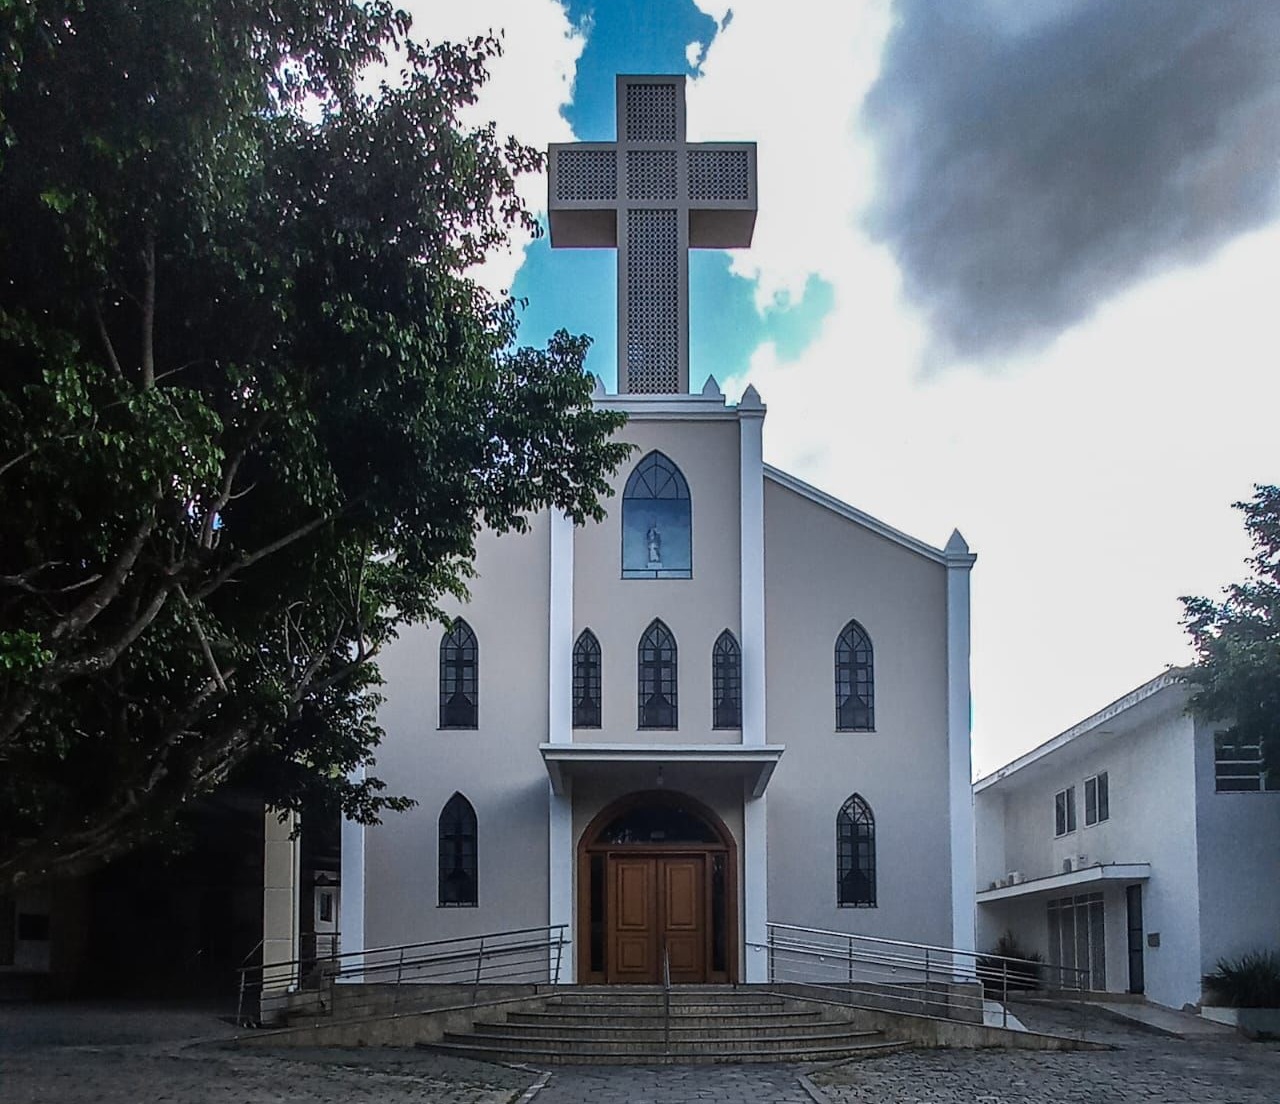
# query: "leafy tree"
{"points": [[1237, 640], [252, 411]]}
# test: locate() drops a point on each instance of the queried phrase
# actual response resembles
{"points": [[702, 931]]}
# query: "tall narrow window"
{"points": [[656, 522], [586, 681], [459, 677], [1097, 799], [855, 682], [855, 855], [1064, 811], [657, 671], [459, 881], [726, 682]]}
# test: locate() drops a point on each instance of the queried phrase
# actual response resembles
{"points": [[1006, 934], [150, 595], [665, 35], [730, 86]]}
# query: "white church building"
{"points": [[736, 700]]}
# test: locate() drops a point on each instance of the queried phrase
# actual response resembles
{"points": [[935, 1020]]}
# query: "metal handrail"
{"points": [[899, 972], [534, 954]]}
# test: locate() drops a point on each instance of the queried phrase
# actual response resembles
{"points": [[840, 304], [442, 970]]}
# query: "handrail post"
{"points": [[772, 972], [475, 991], [240, 1003], [559, 951], [851, 961], [1004, 992], [926, 981], [666, 997]]}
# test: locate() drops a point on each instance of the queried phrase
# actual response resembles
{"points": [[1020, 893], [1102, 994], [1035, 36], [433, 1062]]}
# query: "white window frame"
{"points": [[1064, 802], [1097, 791], [1240, 767]]}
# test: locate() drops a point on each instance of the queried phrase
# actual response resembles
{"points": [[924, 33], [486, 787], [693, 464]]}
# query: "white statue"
{"points": [[653, 541]]}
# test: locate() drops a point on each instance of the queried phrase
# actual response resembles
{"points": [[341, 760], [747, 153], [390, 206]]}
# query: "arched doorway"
{"points": [[657, 872]]}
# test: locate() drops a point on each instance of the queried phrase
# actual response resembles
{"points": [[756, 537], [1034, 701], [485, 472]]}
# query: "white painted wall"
{"points": [[821, 570], [1239, 863]]}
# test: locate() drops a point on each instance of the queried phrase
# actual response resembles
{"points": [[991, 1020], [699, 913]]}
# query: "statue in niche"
{"points": [[653, 542]]}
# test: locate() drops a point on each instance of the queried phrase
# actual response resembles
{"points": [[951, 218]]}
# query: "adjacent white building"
{"points": [[1140, 844], [735, 700]]}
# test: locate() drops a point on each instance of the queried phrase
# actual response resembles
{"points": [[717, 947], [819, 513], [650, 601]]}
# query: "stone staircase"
{"points": [[628, 1026]]}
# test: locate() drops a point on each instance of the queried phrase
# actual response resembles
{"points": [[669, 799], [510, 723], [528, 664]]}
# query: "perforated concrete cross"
{"points": [[653, 196]]}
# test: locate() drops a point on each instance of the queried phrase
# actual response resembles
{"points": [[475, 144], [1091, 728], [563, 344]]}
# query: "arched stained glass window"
{"points": [[657, 672], [459, 677], [855, 680], [726, 682], [855, 855], [586, 681], [656, 522], [458, 869]]}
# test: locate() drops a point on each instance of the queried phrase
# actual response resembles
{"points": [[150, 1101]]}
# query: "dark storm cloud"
{"points": [[1035, 158]]}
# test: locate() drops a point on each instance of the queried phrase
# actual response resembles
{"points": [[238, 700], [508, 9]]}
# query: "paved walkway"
{"points": [[52, 1054]]}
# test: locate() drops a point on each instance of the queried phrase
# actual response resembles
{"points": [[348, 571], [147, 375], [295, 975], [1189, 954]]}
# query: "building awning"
{"points": [[754, 763], [1084, 880]]}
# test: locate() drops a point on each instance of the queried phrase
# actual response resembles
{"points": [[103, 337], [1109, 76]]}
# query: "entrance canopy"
{"points": [[753, 763]]}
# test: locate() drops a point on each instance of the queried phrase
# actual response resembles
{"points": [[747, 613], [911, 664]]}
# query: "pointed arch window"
{"points": [[458, 869], [656, 522], [855, 680], [586, 681], [856, 855], [726, 682], [657, 673], [459, 677]]}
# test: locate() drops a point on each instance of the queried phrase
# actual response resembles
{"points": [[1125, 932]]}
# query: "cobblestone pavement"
{"points": [[59, 1054], [674, 1085], [1146, 1068]]}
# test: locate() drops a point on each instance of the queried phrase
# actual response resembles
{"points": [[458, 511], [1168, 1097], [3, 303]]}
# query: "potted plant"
{"points": [[1247, 986]]}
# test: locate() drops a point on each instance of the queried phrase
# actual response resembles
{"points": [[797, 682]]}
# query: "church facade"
{"points": [[736, 700]]}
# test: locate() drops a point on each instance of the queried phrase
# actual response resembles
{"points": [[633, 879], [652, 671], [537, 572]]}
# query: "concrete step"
{"points": [[707, 1041], [702, 1007], [758, 1021], [660, 1056]]}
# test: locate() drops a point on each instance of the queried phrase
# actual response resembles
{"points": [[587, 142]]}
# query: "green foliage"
{"points": [[1250, 981], [1237, 640], [253, 411], [1010, 967]]}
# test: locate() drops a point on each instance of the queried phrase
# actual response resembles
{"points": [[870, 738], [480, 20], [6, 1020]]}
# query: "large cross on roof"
{"points": [[653, 196]]}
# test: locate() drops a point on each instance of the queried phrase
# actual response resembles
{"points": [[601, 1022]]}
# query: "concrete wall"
{"points": [[497, 767], [1239, 863], [821, 570], [696, 610]]}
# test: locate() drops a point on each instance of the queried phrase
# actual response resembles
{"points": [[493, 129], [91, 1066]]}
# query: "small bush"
{"points": [[1023, 974], [1250, 981]]}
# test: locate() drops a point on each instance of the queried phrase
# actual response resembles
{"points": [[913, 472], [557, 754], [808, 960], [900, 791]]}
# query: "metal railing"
{"points": [[893, 975], [401, 978], [666, 997]]}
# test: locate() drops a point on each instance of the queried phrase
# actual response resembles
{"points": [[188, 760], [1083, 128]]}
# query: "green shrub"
{"points": [[1022, 974], [1250, 981]]}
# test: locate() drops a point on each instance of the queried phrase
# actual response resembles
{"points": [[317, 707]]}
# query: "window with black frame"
{"points": [[855, 680], [656, 662], [459, 677], [855, 855], [458, 869], [726, 682], [586, 681]]}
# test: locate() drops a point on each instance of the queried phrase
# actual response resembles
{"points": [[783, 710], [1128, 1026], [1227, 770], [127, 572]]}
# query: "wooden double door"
{"points": [[657, 902]]}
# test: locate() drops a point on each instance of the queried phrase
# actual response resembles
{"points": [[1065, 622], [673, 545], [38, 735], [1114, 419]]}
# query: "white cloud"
{"points": [[1094, 480], [528, 88]]}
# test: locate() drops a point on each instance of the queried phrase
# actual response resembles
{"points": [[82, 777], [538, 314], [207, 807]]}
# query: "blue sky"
{"points": [[1012, 273]]}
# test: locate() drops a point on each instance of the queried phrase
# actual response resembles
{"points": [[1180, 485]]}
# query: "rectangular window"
{"points": [[1239, 766], [1097, 803], [1064, 811]]}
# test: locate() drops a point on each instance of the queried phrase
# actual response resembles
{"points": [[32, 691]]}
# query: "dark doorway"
{"points": [[1133, 909]]}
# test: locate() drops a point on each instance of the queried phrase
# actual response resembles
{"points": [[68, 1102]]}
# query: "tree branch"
{"points": [[100, 323], [149, 311], [205, 649], [241, 562], [109, 587]]}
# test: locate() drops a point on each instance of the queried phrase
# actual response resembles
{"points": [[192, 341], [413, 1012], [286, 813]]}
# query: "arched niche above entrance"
{"points": [[668, 822]]}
